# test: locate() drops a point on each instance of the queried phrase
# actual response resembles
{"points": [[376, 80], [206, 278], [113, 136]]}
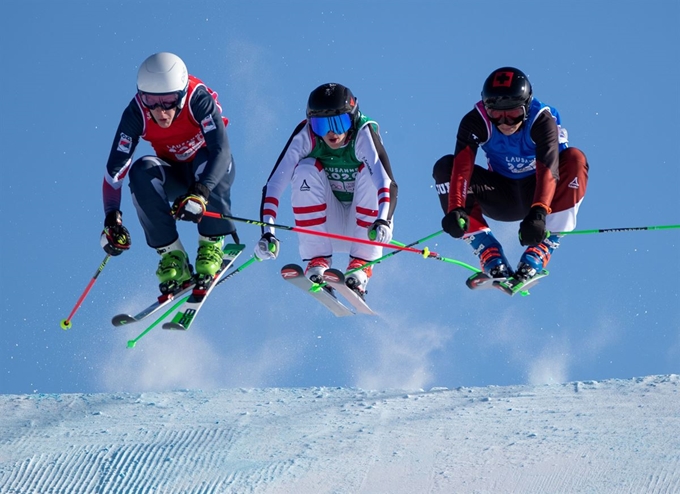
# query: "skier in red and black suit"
{"points": [[193, 170], [532, 176]]}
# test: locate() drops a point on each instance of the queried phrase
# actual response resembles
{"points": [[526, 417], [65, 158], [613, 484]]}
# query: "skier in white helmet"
{"points": [[191, 172]]}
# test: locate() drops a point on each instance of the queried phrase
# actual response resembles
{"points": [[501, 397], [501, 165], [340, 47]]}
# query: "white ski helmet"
{"points": [[163, 73]]}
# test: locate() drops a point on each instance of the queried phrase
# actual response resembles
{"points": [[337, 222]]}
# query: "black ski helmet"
{"points": [[332, 99], [507, 88]]}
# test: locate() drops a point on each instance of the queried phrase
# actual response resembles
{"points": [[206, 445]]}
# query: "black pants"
{"points": [[500, 198]]}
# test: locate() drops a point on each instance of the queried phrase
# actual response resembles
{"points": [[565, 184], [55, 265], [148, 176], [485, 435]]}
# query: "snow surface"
{"points": [[618, 436]]}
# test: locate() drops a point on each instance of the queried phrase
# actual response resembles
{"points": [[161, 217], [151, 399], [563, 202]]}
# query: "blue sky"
{"points": [[608, 310]]}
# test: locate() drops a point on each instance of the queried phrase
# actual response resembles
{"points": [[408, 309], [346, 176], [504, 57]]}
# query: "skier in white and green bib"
{"points": [[341, 182]]}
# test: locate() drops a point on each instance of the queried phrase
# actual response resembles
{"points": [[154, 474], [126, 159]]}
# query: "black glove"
{"points": [[532, 228], [115, 238], [456, 222], [191, 206]]}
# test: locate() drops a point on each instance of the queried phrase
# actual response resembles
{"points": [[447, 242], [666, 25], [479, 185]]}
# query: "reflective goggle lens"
{"points": [[338, 124], [508, 117], [164, 101]]}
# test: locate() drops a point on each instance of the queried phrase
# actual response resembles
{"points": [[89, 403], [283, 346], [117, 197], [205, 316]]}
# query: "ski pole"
{"points": [[611, 230], [66, 323], [394, 252], [238, 270], [425, 252], [430, 255], [131, 343], [437, 257], [317, 286]]}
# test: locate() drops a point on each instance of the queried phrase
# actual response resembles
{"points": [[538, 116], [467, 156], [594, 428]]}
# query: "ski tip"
{"points": [[234, 246], [122, 320], [334, 276], [291, 271], [232, 250], [174, 325], [481, 280], [477, 280]]}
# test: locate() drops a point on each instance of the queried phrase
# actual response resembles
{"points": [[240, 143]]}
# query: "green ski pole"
{"points": [[437, 257], [395, 252], [317, 286], [133, 342], [238, 270]]}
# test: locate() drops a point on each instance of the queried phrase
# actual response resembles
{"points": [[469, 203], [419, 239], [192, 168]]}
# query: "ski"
{"points": [[180, 300], [509, 286], [162, 302], [512, 286], [481, 280], [199, 294], [336, 279], [295, 275]]}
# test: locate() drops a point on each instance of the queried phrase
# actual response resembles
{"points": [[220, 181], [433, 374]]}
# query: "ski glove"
{"points": [[191, 206], [267, 247], [380, 231], [456, 222], [115, 238], [532, 228]]}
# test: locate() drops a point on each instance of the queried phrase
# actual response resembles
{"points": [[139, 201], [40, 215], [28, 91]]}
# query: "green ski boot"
{"points": [[173, 271], [208, 260]]}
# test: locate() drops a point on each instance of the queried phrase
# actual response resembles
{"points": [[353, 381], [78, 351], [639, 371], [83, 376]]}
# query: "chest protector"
{"points": [[184, 137]]}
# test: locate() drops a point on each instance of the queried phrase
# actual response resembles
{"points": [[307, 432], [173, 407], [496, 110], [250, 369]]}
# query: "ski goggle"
{"points": [[338, 124], [507, 117], [166, 101]]}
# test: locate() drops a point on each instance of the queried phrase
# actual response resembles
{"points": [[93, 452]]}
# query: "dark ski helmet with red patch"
{"points": [[507, 88]]}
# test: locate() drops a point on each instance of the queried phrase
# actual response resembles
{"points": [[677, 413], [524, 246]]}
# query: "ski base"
{"points": [[509, 286], [336, 279], [162, 302], [187, 312], [295, 275]]}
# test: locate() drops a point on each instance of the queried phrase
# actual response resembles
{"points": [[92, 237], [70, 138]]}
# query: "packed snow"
{"points": [[618, 436]]}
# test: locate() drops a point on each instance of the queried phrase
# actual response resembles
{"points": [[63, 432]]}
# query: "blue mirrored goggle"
{"points": [[338, 124]]}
